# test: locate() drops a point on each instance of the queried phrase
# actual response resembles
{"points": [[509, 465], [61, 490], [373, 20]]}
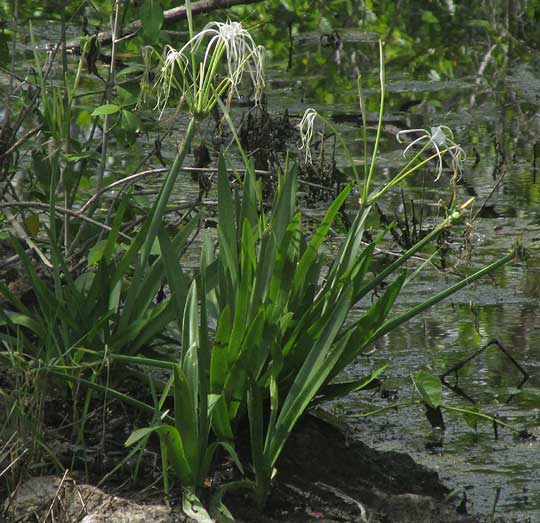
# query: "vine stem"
{"points": [[109, 88]]}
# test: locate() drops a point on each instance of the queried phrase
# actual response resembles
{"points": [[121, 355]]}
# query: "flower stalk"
{"points": [[166, 190], [195, 82]]}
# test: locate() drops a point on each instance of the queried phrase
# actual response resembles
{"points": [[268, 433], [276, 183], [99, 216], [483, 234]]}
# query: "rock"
{"points": [[70, 502]]}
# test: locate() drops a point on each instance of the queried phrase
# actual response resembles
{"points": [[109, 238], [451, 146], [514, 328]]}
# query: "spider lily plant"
{"points": [[284, 326], [284, 329], [282, 312], [191, 73]]}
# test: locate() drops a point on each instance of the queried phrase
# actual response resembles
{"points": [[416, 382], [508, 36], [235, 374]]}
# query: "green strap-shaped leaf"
{"points": [[248, 260], [141, 331], [310, 377], [416, 310], [178, 281], [263, 272], [368, 324], [46, 298], [193, 508], [227, 225], [16, 319], [249, 198], [311, 253], [185, 420], [190, 342], [284, 206], [349, 249], [251, 357], [429, 387], [261, 460], [243, 293], [171, 438], [284, 268], [339, 390], [219, 366], [219, 417], [147, 282]]}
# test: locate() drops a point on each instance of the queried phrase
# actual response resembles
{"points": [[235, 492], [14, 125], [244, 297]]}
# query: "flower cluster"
{"points": [[441, 138], [195, 80], [306, 126]]}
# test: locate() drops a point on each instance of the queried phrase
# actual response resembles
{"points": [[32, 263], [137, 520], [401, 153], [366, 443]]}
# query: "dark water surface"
{"points": [[495, 117]]}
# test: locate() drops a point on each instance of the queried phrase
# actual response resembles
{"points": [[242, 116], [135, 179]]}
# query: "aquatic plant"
{"points": [[282, 314], [283, 326]]}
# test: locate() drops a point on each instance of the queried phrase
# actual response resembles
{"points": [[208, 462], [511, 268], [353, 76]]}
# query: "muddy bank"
{"points": [[324, 476]]}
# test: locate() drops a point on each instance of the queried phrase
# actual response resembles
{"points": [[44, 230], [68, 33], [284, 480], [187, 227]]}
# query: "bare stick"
{"points": [[21, 233], [134, 177], [69, 212]]}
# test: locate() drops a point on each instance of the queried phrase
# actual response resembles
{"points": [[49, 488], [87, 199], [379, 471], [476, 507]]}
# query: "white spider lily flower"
{"points": [[230, 39], [239, 46], [440, 137], [146, 84], [167, 78], [256, 72], [306, 126]]}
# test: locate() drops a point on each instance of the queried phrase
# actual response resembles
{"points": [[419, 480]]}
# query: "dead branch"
{"points": [[169, 16]]}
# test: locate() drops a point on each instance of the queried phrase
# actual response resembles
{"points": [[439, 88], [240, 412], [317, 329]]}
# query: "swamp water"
{"points": [[497, 124], [495, 116]]}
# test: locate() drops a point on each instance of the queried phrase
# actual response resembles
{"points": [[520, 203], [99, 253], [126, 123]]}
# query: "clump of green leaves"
{"points": [[73, 325], [285, 326]]}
